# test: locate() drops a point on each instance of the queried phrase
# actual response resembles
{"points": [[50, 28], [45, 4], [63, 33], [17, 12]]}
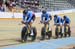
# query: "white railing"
{"points": [[19, 15]]}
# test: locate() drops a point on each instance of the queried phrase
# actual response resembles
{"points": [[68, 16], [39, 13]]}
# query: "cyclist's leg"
{"points": [[68, 25], [46, 25], [56, 31], [59, 30], [31, 28], [29, 25], [69, 31]]}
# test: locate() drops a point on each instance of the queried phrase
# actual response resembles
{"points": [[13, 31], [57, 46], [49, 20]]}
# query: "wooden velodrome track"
{"points": [[10, 29]]}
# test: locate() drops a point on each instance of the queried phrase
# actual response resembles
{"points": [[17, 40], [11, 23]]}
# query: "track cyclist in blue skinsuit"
{"points": [[28, 16], [45, 19], [66, 23], [28, 19], [58, 23]]}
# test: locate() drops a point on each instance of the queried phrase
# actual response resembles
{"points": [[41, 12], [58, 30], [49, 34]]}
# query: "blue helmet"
{"points": [[25, 12], [55, 16], [44, 11], [64, 16]]}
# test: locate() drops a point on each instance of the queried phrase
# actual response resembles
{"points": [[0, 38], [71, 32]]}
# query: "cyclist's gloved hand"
{"points": [[41, 21], [23, 22], [55, 23]]}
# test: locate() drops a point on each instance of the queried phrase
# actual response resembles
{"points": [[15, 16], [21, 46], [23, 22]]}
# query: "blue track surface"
{"points": [[50, 44]]}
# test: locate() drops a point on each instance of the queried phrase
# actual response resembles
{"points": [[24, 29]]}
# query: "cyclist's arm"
{"points": [[30, 17], [48, 18], [23, 17]]}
